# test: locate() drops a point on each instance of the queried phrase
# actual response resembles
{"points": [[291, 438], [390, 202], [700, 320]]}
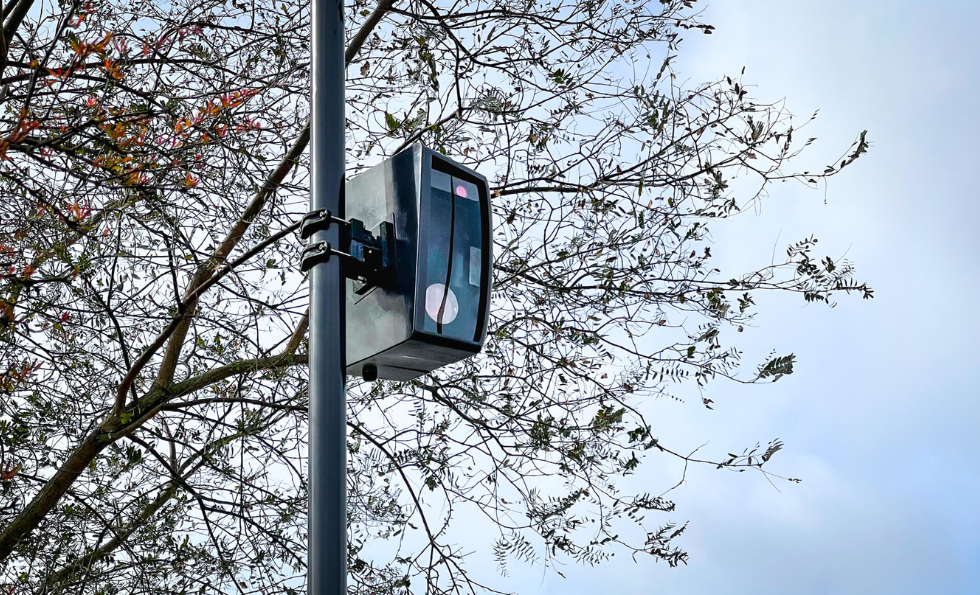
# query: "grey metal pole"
{"points": [[327, 555]]}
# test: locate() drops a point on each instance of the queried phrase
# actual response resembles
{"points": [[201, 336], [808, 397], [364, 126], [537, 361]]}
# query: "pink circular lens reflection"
{"points": [[436, 295], [461, 191]]}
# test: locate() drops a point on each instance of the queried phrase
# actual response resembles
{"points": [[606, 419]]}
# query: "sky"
{"points": [[879, 417]]}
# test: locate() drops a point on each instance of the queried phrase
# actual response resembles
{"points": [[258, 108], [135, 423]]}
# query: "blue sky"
{"points": [[880, 417]]}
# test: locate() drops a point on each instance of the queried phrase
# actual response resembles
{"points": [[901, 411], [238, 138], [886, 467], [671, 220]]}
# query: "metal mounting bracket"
{"points": [[368, 256], [315, 221]]}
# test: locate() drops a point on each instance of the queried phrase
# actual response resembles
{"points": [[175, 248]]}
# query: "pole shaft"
{"points": [[327, 572]]}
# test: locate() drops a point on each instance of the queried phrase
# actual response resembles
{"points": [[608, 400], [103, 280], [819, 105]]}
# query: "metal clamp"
{"points": [[315, 221], [318, 253], [368, 258]]}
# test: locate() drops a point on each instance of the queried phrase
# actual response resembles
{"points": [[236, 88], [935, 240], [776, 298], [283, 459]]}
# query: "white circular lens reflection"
{"points": [[433, 303]]}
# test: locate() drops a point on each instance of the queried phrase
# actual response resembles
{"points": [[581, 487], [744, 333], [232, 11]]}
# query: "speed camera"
{"points": [[429, 306]]}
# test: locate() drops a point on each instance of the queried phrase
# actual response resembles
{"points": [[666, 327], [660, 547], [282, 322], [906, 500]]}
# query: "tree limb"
{"points": [[112, 428]]}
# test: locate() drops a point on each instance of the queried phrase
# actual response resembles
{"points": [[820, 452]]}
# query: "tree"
{"points": [[152, 325]]}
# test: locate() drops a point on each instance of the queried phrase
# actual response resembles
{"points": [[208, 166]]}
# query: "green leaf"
{"points": [[392, 123], [777, 367]]}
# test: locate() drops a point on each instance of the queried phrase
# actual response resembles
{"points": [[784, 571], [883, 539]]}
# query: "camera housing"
{"points": [[429, 308]]}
